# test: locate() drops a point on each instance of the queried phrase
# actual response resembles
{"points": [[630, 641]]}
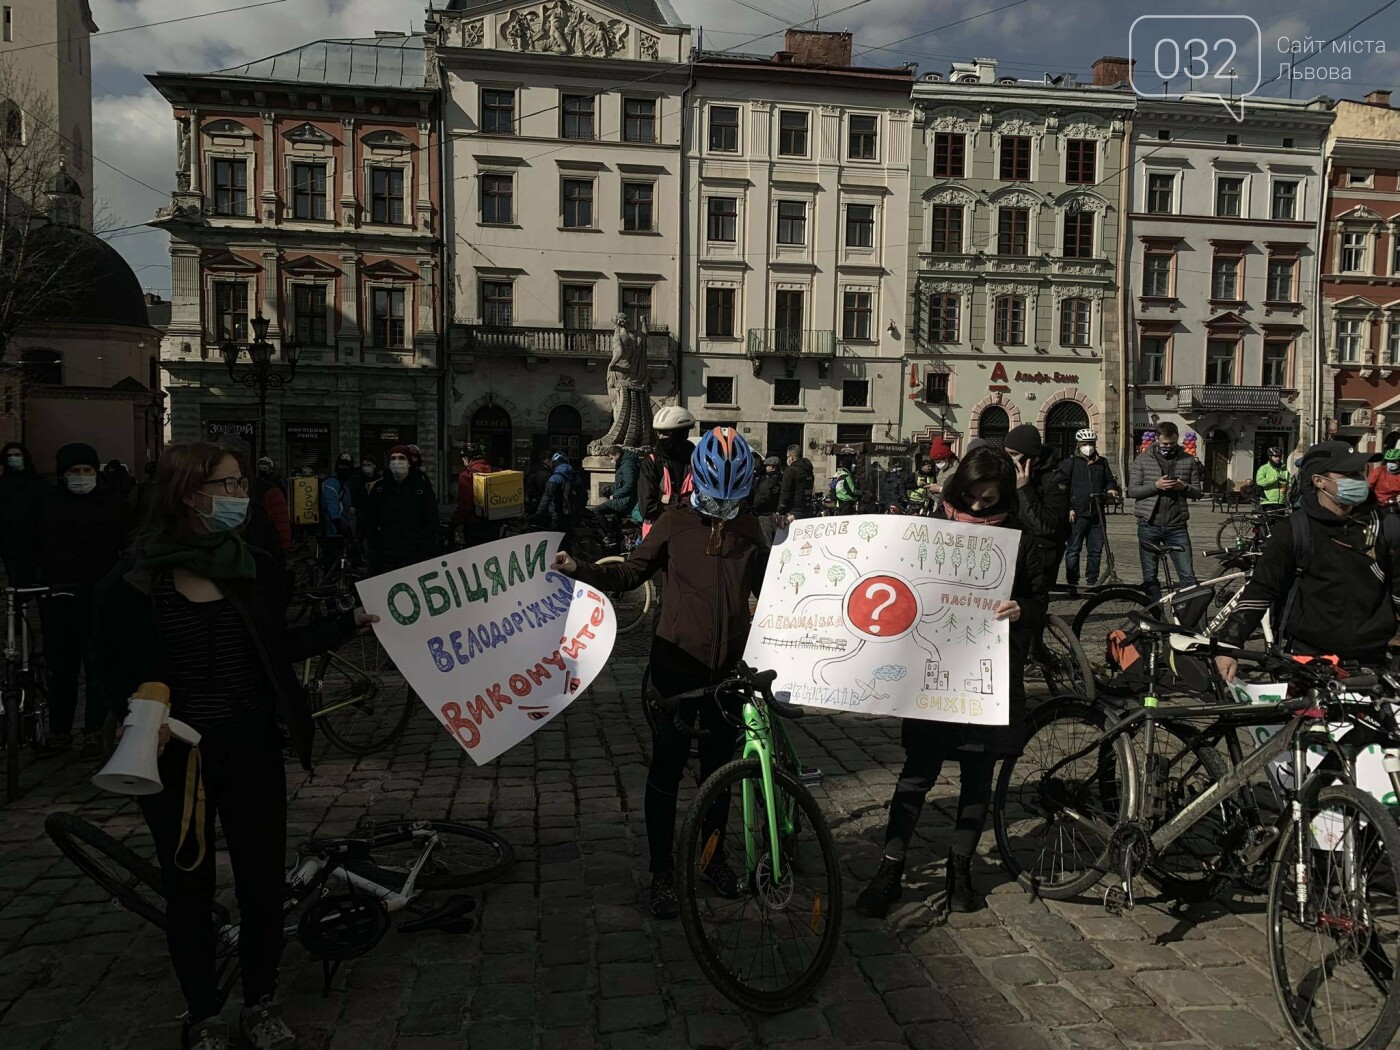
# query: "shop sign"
{"points": [[1046, 377], [217, 428], [308, 431]]}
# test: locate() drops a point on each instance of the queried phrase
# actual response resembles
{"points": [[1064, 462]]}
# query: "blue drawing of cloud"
{"points": [[890, 672]]}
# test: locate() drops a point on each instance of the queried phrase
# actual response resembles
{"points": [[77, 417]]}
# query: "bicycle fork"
{"points": [[756, 747]]}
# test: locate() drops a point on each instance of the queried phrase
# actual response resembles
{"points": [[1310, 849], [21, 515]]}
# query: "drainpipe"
{"points": [[1126, 363], [446, 229], [1319, 334], [683, 318]]}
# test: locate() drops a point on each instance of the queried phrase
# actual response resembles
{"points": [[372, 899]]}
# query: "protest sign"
{"points": [[492, 639], [884, 614]]}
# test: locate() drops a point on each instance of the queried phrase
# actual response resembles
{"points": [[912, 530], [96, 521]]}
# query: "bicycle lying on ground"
{"points": [[350, 885], [24, 694], [769, 947]]}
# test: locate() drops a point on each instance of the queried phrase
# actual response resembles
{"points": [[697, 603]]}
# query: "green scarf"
{"points": [[217, 556]]}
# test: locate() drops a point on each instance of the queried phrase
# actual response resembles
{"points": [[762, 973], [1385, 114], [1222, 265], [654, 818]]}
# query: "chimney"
{"points": [[1378, 98], [810, 47], [986, 70], [1110, 71]]}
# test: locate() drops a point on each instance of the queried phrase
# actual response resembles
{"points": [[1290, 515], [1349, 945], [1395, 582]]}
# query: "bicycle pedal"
{"points": [[1117, 900], [810, 777]]}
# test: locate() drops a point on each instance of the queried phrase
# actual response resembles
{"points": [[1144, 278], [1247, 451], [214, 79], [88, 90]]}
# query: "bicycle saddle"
{"points": [[1152, 547], [1147, 625], [451, 917]]}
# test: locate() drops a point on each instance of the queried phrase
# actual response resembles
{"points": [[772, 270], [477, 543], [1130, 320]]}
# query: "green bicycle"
{"points": [[769, 946]]}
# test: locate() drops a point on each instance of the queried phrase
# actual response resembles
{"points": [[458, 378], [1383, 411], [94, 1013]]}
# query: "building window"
{"points": [[1392, 342], [639, 120], [636, 307], [1160, 190], [1228, 195], [1225, 278], [309, 191], [719, 390], [1395, 251], [719, 313], [230, 187], [792, 222], [792, 133], [497, 198], [1153, 357], [1220, 362], [855, 316], [1280, 282], [861, 139], [231, 311], [309, 306], [1275, 371], [1081, 160], [788, 310], [1015, 158], [860, 226], [637, 206], [578, 306], [993, 425], [724, 129], [1074, 322], [14, 123], [1157, 274], [1358, 178], [577, 117], [388, 317], [1285, 205], [386, 195], [498, 303], [855, 393], [936, 388], [787, 393], [1353, 252], [1009, 328], [1079, 235], [1013, 225], [1349, 342], [947, 228], [722, 219], [578, 204], [7, 25], [943, 318], [497, 112], [949, 154]]}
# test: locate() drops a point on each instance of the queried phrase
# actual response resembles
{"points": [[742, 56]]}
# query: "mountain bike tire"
{"points": [[364, 726], [132, 880], [11, 697], [1235, 533], [467, 855], [1105, 611], [631, 606], [1062, 661]]}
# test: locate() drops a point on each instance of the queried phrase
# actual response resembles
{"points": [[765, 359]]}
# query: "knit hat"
{"points": [[1024, 439], [976, 443], [940, 450], [399, 450], [76, 455]]}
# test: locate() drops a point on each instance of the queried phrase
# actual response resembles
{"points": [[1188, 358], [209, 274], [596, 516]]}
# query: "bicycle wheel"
{"points": [[364, 701], [1106, 611], [1062, 662], [631, 606], [11, 701], [133, 881], [769, 948], [1334, 923], [462, 855], [1235, 533], [1052, 818]]}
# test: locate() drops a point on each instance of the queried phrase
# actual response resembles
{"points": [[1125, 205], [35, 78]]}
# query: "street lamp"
{"points": [[261, 377]]}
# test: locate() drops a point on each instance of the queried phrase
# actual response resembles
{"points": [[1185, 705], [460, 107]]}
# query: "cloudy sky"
{"points": [[134, 140]]}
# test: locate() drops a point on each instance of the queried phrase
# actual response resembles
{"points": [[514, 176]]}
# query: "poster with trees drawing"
{"points": [[889, 615]]}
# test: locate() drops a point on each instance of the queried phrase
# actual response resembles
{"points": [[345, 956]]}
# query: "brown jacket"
{"points": [[704, 621]]}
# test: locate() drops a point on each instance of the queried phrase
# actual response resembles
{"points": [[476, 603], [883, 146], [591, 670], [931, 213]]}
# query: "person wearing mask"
{"points": [[944, 459], [1385, 479], [795, 494], [626, 469], [847, 492], [894, 490], [336, 507], [21, 495], [1042, 495], [361, 484], [1331, 580], [664, 477], [82, 529], [270, 496], [983, 491], [198, 609], [562, 499], [475, 528], [927, 479], [711, 554], [767, 491], [1161, 480], [401, 516], [1271, 479], [1091, 482]]}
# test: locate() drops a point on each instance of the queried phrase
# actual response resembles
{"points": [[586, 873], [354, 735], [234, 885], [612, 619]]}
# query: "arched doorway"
{"points": [[565, 430], [1218, 447], [1061, 423], [490, 428], [992, 425]]}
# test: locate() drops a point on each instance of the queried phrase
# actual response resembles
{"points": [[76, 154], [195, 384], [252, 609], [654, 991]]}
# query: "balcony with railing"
{"points": [[792, 345], [577, 343], [1229, 398]]}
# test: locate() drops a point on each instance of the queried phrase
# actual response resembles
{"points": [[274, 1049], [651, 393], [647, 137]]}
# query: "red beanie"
{"points": [[399, 450]]}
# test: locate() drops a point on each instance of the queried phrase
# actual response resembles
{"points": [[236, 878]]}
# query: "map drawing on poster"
{"points": [[890, 615], [492, 639]]}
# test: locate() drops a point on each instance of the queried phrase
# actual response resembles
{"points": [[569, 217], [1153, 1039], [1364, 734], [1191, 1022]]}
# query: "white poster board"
{"points": [[885, 614], [492, 639]]}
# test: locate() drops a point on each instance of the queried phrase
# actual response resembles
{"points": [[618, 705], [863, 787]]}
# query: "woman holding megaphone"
{"points": [[197, 608]]}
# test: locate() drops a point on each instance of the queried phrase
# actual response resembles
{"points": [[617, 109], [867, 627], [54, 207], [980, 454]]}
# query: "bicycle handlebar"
{"points": [[758, 683]]}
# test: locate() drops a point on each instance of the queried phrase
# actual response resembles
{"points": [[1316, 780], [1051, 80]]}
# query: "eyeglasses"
{"points": [[231, 486]]}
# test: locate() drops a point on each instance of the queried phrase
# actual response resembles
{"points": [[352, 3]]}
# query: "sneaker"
{"points": [[721, 876], [884, 889], [664, 904], [209, 1034], [262, 1027], [92, 745]]}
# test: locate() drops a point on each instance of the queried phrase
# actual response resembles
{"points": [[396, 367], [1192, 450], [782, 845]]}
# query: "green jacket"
{"points": [[1273, 484], [847, 491]]}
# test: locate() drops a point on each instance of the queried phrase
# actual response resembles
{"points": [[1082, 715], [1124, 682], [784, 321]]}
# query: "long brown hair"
{"points": [[179, 474], [983, 464]]}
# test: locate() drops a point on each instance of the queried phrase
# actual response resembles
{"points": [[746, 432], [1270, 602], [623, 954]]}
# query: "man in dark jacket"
{"points": [[664, 478], [1161, 480], [475, 528], [766, 493], [799, 481], [21, 495], [1091, 482], [401, 516], [536, 480], [626, 469], [1042, 503], [561, 501]]}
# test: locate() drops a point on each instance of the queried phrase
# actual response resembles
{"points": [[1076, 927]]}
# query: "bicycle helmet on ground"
{"points": [[1087, 434], [672, 417], [721, 466], [1392, 455]]}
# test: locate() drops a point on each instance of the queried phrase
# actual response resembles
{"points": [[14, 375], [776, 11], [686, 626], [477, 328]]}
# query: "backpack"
{"points": [[831, 487], [1387, 538]]}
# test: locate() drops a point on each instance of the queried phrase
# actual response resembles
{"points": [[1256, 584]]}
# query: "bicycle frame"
{"points": [[761, 733]]}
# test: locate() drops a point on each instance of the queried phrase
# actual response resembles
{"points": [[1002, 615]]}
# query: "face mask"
{"points": [[1087, 451], [1167, 450], [264, 471], [14, 462], [399, 469], [80, 484], [227, 512], [367, 471], [1394, 468], [724, 509], [1352, 491]]}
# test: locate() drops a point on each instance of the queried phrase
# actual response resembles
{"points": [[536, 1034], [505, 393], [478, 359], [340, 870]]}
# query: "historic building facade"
{"points": [[1015, 221], [795, 227], [1361, 275], [563, 158], [308, 195], [1221, 252]]}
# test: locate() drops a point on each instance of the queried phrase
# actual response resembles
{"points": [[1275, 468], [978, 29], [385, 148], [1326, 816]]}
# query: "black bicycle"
{"points": [[24, 693]]}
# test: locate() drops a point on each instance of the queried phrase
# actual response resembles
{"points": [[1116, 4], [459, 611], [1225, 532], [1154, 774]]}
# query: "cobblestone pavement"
{"points": [[566, 957]]}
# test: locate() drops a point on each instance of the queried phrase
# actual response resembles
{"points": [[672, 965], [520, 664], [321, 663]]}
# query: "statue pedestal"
{"points": [[600, 472]]}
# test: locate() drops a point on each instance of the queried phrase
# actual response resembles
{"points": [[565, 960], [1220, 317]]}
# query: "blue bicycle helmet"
{"points": [[722, 465]]}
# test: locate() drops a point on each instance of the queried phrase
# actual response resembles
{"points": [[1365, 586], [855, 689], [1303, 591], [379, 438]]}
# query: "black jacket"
{"points": [[1344, 606], [80, 537], [650, 489], [401, 521], [21, 496], [130, 650], [1087, 478], [1043, 513], [799, 482], [766, 492]]}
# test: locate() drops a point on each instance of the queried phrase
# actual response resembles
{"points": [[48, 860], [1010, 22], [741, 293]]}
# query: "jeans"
{"points": [[66, 615], [1177, 535], [1086, 526], [920, 773]]}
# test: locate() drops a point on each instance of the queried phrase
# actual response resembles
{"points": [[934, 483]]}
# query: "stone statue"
{"points": [[182, 163], [629, 391]]}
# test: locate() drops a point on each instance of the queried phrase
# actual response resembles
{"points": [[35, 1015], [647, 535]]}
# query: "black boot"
{"points": [[961, 896], [884, 889]]}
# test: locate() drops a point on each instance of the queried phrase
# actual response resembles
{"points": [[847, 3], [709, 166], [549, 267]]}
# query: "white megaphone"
{"points": [[132, 768]]}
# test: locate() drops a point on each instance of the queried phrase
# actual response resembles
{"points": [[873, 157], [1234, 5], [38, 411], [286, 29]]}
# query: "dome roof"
{"points": [[62, 182], [98, 286]]}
